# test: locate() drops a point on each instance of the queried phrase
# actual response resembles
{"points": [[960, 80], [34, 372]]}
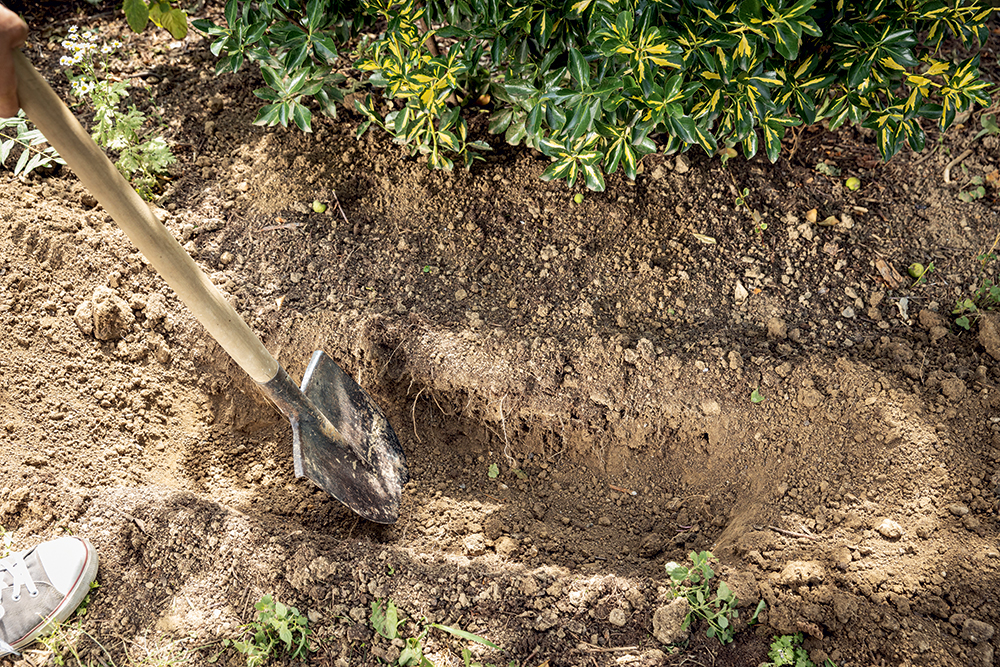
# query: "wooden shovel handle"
{"points": [[102, 179]]}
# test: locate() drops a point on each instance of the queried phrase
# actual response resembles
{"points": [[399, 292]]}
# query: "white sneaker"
{"points": [[41, 587]]}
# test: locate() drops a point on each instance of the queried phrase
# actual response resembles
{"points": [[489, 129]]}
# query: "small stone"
{"points": [[958, 509], [617, 617], [604, 521], [84, 317], [668, 621], [506, 547], [977, 631], [112, 315], [953, 388], [460, 295], [989, 334], [681, 165], [890, 530], [848, 313], [777, 328], [740, 292], [474, 545]]}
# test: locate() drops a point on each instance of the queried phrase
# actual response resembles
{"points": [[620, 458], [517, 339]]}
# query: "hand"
{"points": [[13, 32]]}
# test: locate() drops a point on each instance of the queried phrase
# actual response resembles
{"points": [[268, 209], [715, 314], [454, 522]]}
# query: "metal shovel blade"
{"points": [[341, 439]]}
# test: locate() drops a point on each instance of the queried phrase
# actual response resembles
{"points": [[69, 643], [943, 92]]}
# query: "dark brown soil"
{"points": [[599, 354]]}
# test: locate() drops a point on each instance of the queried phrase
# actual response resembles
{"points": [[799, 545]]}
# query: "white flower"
{"points": [[68, 45], [92, 37], [67, 61], [73, 29], [106, 49]]}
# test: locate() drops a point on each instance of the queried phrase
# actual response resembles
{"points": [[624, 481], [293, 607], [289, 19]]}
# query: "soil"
{"points": [[605, 359]]}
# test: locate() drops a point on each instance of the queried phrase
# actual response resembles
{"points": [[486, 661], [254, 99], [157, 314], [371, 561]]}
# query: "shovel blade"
{"points": [[359, 460]]}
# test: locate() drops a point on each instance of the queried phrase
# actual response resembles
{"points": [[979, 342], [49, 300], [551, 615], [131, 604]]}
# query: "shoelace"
{"points": [[19, 576]]}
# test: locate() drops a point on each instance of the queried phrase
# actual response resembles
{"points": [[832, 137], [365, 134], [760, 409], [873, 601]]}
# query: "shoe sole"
{"points": [[80, 589]]}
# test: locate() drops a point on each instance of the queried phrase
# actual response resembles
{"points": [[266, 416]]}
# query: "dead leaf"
{"points": [[829, 222], [707, 240], [993, 178], [812, 215], [889, 274]]}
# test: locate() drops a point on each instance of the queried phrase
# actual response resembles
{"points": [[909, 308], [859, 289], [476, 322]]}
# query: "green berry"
{"points": [[853, 183], [578, 198], [319, 206], [916, 270]]}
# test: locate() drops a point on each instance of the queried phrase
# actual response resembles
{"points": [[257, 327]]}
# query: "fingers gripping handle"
{"points": [[102, 179]]}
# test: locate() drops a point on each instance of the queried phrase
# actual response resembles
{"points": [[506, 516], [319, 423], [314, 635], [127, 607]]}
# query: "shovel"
{"points": [[341, 439]]}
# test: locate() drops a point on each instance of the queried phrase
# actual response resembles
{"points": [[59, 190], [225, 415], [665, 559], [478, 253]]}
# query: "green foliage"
{"points": [[138, 14], [756, 396], [295, 45], [976, 189], [277, 628], [31, 156], [142, 156], [786, 651], [494, 471], [985, 297], [597, 84], [694, 583], [385, 619]]}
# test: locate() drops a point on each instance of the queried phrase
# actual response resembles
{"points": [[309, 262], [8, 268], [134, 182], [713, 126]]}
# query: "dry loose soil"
{"points": [[777, 397]]}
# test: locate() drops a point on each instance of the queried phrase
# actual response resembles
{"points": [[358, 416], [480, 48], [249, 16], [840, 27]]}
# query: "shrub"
{"points": [[598, 84]]}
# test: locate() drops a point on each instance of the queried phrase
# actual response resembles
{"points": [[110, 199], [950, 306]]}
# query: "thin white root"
{"points": [[413, 415]]}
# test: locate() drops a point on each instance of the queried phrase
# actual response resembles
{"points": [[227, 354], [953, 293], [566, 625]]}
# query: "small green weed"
{"points": [[756, 396], [827, 169], [277, 628], [977, 191], [494, 471], [694, 583], [989, 123], [787, 651], [142, 158], [386, 619], [985, 297], [31, 157], [741, 199]]}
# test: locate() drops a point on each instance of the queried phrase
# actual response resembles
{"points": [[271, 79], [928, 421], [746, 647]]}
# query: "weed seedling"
{"points": [[276, 628], [756, 396], [695, 584], [828, 169], [973, 193], [985, 297], [386, 619]]}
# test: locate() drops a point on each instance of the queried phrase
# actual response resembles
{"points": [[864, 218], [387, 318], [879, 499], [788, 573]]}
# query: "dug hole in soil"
{"points": [[606, 360]]}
